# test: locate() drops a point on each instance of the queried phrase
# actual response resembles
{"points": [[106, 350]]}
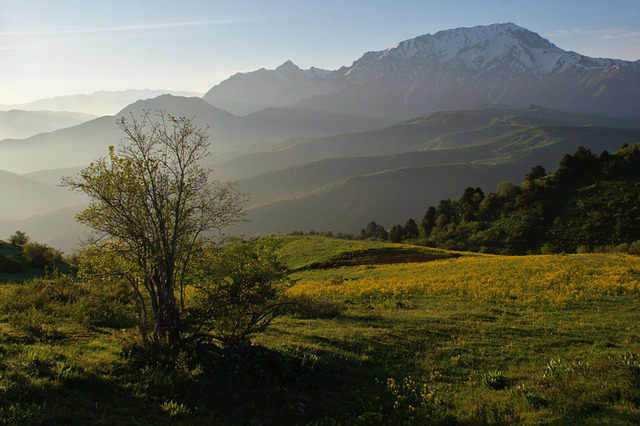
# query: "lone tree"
{"points": [[152, 205]]}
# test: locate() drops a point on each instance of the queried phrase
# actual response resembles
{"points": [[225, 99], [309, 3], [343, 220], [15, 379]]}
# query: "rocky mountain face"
{"points": [[452, 69], [244, 93]]}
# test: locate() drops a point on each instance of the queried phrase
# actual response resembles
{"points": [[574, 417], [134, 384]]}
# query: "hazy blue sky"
{"points": [[51, 48]]}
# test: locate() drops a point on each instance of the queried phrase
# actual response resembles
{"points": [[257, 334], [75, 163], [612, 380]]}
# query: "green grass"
{"points": [[467, 340], [299, 252]]}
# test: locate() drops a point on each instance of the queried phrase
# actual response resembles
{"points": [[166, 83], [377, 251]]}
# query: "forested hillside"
{"points": [[22, 259], [589, 203]]}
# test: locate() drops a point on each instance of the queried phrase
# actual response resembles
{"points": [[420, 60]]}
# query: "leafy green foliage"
{"points": [[19, 238], [155, 202], [372, 231], [41, 256], [22, 259], [493, 379], [42, 305], [237, 290], [589, 203]]}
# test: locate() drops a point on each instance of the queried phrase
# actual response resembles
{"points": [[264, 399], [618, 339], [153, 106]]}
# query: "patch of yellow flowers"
{"points": [[552, 279]]}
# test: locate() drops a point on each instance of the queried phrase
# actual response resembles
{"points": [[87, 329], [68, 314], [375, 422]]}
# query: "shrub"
{"points": [[19, 238], [634, 248], [549, 249], [493, 379], [40, 303], [238, 287], [404, 402], [309, 307], [104, 304], [175, 410], [583, 248], [41, 256]]}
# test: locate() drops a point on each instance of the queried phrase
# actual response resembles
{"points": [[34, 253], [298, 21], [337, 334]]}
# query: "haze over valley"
{"points": [[383, 138]]}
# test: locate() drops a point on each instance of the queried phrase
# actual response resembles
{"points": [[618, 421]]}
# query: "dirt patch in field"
{"points": [[380, 257]]}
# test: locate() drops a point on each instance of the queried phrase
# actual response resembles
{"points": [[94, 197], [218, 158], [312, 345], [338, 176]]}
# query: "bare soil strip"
{"points": [[380, 257]]}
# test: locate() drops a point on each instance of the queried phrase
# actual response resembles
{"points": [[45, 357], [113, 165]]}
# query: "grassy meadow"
{"points": [[460, 339]]}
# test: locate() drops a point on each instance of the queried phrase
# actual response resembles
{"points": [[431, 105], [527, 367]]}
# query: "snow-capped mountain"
{"points": [[452, 69], [482, 49]]}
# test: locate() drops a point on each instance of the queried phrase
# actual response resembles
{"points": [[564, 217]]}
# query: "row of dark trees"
{"points": [[588, 203]]}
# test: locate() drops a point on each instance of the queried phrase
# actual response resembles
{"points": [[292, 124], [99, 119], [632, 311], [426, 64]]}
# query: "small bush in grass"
{"points": [[237, 291], [41, 256], [309, 307], [175, 410], [404, 402], [104, 304], [634, 248], [493, 379], [42, 294]]}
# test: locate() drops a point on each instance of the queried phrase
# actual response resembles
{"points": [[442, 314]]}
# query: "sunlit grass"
{"points": [[532, 281], [481, 332], [472, 340], [302, 251]]}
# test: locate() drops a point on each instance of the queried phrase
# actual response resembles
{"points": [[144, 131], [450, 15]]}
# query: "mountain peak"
{"points": [[480, 49], [288, 65], [474, 46], [456, 68]]}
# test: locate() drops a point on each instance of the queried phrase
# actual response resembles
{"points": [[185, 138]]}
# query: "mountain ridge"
{"points": [[344, 193], [100, 103], [80, 144], [20, 124], [451, 69]]}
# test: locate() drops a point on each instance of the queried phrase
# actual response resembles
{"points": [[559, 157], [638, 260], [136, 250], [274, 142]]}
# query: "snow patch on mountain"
{"points": [[451, 69], [484, 48]]}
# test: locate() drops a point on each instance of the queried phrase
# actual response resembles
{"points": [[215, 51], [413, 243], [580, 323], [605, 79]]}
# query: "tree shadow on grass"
{"points": [[80, 399], [255, 386], [291, 385]]}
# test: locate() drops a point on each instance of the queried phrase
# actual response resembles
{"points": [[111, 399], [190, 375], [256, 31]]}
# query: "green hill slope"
{"points": [[311, 251], [22, 262], [347, 205], [588, 203], [443, 130], [532, 145]]}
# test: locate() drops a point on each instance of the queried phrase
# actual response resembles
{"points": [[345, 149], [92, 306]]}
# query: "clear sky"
{"points": [[60, 47]]}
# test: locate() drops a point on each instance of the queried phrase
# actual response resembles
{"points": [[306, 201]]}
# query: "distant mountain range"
{"points": [[453, 69], [18, 124], [98, 103], [79, 145], [323, 184]]}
